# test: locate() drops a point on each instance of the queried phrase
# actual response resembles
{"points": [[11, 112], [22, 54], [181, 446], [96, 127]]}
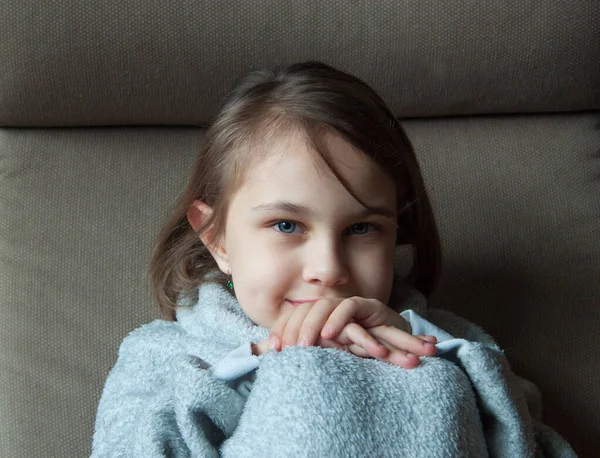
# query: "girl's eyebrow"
{"points": [[283, 206], [302, 210]]}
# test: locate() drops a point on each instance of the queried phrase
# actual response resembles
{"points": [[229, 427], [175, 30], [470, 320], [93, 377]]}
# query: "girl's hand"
{"points": [[386, 325], [392, 357], [302, 326], [404, 348], [343, 323]]}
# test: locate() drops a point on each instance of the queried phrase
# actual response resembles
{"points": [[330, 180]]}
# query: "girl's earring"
{"points": [[230, 282]]}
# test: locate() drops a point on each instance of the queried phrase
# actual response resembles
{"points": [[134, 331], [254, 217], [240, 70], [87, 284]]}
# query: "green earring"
{"points": [[230, 282]]}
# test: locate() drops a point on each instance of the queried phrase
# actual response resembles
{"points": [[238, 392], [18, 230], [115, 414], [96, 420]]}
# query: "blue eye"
{"points": [[287, 227], [361, 228]]}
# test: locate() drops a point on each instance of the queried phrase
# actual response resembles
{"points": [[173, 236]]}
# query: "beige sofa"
{"points": [[99, 103]]}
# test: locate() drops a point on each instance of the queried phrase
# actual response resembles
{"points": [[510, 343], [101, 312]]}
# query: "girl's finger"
{"points": [[351, 308], [315, 320], [277, 330], [260, 348], [292, 327], [394, 356], [354, 333], [358, 351], [400, 357], [403, 341], [326, 343], [432, 339], [391, 355]]}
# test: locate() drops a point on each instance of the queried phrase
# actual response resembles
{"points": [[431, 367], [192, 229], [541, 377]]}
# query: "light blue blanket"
{"points": [[161, 400]]}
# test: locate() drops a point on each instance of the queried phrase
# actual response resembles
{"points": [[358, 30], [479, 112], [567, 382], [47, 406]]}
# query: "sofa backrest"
{"points": [[83, 63]]}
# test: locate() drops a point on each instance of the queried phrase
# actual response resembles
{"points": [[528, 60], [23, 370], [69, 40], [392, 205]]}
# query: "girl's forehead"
{"points": [[290, 160], [294, 150]]}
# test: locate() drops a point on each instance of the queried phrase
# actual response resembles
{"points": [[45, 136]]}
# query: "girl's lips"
{"points": [[300, 302]]}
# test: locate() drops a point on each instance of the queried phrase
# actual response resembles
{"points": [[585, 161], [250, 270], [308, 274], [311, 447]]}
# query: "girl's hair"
{"points": [[315, 99]]}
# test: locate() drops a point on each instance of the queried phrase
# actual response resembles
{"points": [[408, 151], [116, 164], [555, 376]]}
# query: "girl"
{"points": [[303, 189]]}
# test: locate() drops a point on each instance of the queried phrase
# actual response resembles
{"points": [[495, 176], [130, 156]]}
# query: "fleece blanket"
{"points": [[162, 400]]}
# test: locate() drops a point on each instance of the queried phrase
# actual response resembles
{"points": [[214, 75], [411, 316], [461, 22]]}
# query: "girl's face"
{"points": [[294, 234]]}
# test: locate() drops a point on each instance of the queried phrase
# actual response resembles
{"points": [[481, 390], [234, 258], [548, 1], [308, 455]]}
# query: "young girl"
{"points": [[285, 238]]}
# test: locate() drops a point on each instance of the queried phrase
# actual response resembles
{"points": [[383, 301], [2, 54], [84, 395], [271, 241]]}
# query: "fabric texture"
{"points": [[311, 402], [90, 63], [79, 212], [236, 364]]}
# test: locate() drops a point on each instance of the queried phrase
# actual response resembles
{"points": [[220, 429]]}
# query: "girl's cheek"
{"points": [[268, 270], [375, 273]]}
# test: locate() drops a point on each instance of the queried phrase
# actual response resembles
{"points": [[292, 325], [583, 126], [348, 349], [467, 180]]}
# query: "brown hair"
{"points": [[315, 98]]}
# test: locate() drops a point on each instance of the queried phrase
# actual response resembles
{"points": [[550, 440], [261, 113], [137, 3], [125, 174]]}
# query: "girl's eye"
{"points": [[287, 227], [361, 228]]}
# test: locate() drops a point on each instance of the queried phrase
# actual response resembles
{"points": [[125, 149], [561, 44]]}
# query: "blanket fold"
{"points": [[161, 399]]}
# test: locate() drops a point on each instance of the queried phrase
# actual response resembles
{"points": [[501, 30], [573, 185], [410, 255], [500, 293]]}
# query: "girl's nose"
{"points": [[325, 266]]}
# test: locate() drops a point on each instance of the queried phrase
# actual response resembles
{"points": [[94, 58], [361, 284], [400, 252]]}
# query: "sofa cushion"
{"points": [[79, 210], [84, 63]]}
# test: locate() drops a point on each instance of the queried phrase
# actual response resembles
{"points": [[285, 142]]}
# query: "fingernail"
{"points": [[327, 330], [410, 355], [303, 343], [428, 345], [273, 343]]}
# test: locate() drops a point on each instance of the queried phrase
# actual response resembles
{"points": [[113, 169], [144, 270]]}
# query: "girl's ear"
{"points": [[197, 214]]}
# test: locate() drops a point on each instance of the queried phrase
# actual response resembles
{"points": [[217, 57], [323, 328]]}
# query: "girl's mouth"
{"points": [[300, 302]]}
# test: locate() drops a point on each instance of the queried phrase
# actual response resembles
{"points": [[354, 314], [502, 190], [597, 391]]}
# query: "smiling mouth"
{"points": [[297, 303]]}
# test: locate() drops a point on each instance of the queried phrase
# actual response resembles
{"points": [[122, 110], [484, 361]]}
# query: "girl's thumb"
{"points": [[260, 348]]}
